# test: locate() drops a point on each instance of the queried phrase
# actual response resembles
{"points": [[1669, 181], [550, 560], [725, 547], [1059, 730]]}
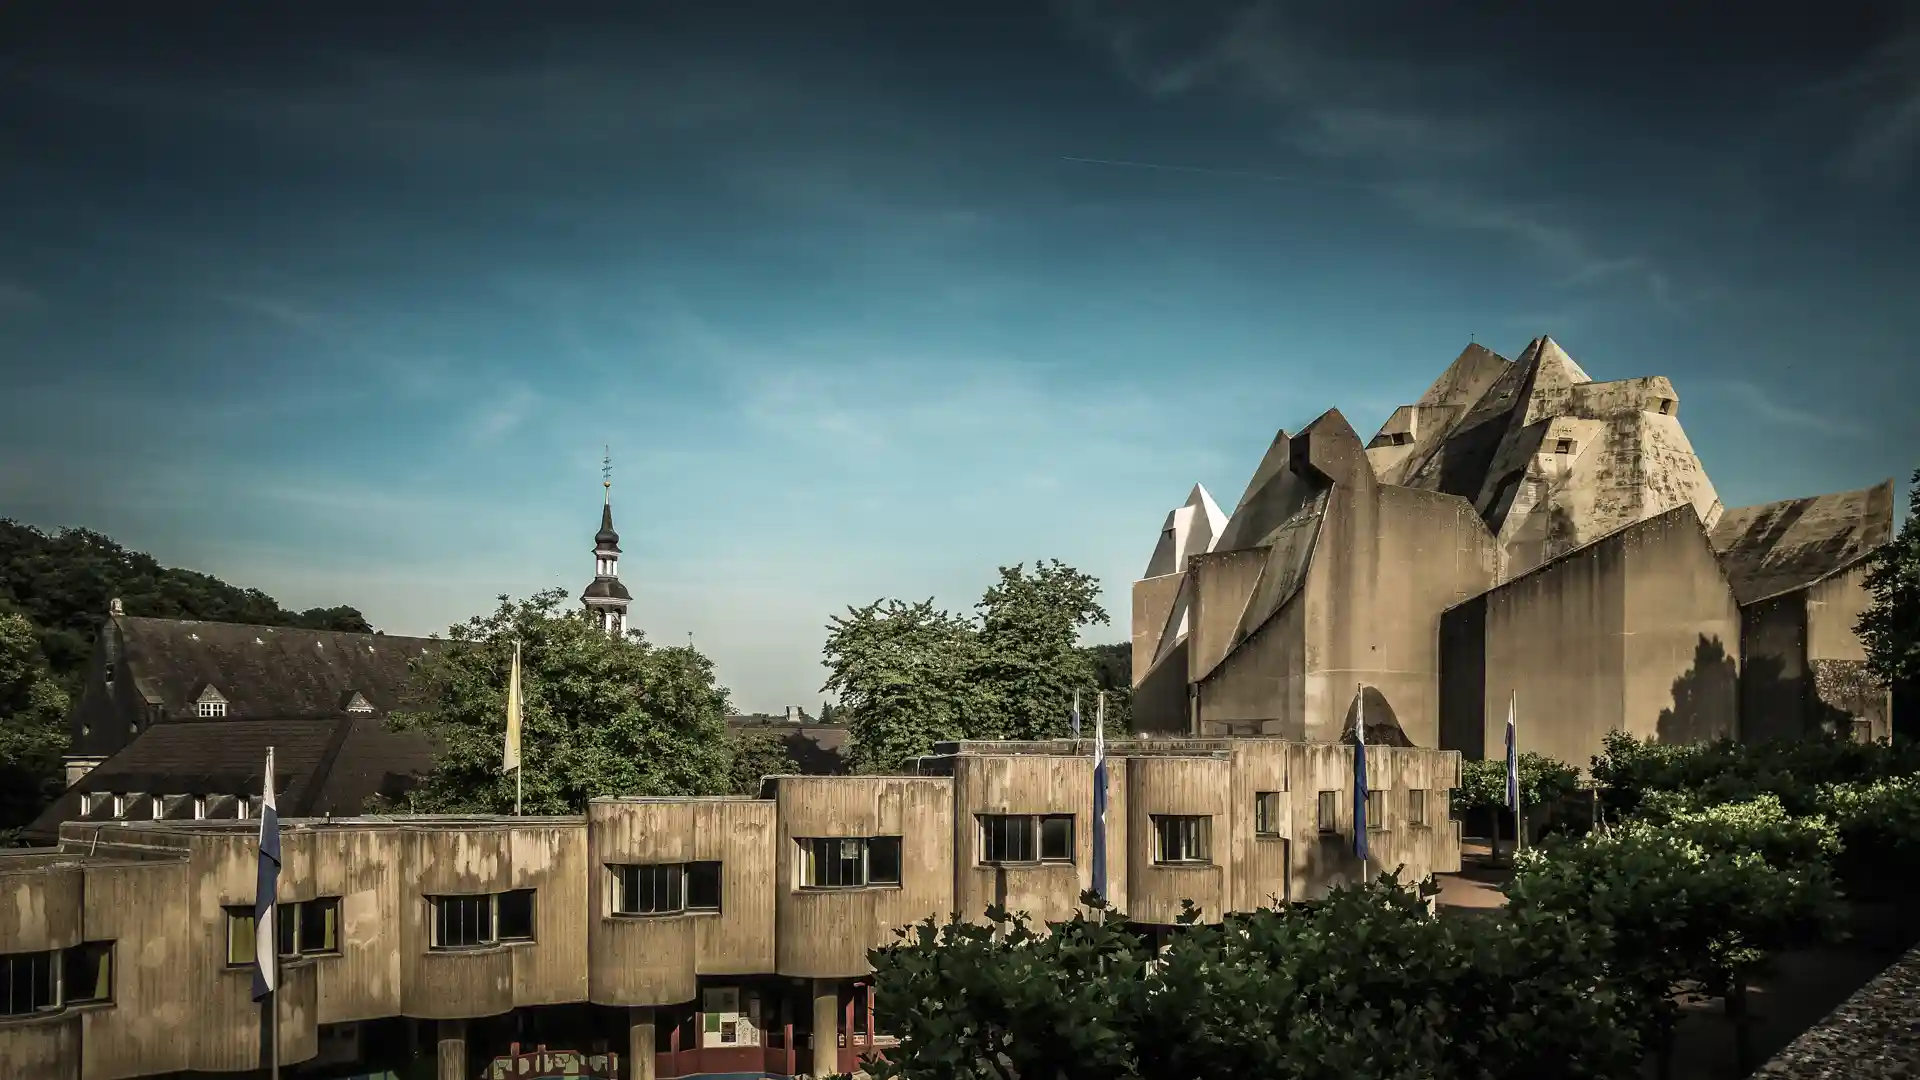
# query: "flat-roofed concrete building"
{"points": [[654, 938]]}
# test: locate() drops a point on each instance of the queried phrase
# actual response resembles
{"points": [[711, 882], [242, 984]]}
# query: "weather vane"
{"points": [[606, 471]]}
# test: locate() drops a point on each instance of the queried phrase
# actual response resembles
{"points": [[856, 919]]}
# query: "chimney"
{"points": [[113, 607]]}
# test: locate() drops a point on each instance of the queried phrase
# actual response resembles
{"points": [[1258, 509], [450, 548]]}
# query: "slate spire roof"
{"points": [[606, 539]]}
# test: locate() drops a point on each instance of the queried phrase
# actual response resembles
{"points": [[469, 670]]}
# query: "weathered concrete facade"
{"points": [[738, 943], [1578, 551]]}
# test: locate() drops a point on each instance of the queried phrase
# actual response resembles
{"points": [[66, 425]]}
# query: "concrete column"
{"points": [[826, 1027], [452, 1050], [640, 1043]]}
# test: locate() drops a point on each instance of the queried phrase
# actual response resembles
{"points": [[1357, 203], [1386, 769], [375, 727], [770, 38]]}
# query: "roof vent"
{"points": [[358, 703], [114, 608]]}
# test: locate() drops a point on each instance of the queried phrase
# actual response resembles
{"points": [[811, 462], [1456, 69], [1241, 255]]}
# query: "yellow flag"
{"points": [[510, 761]]}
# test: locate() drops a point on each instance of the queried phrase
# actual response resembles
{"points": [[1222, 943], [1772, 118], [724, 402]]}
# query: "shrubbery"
{"points": [[1711, 861]]}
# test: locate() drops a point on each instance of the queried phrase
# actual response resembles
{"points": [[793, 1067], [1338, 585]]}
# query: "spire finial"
{"points": [[606, 474]]}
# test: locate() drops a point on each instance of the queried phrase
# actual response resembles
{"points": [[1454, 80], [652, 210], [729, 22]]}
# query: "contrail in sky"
{"points": [[1237, 174]]}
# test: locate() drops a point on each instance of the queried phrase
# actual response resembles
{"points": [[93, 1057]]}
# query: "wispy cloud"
{"points": [[1757, 400], [1883, 93], [288, 314], [498, 416], [16, 297]]}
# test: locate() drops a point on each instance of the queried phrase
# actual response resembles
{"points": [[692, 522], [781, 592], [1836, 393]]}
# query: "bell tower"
{"points": [[605, 597]]}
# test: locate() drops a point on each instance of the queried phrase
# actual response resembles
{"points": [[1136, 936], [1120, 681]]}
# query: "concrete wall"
{"points": [[1637, 632], [1776, 682]]}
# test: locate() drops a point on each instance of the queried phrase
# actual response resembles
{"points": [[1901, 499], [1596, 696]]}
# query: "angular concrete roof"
{"points": [[1191, 529], [1781, 546]]}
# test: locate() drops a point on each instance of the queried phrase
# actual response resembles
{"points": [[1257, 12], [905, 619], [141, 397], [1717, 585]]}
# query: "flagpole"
{"points": [[1519, 795]]}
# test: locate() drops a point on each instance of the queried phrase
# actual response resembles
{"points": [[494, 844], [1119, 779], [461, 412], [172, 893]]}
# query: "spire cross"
{"points": [[606, 473]]}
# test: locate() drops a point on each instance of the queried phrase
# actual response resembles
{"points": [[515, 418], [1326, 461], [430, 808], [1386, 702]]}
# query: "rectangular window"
{"points": [[849, 862], [288, 926], [513, 915], [1416, 807], [1327, 812], [1026, 838], [1563, 446], [462, 922], [1266, 813], [1862, 731], [649, 890], [703, 886], [29, 985], [86, 973], [1180, 839], [239, 936], [319, 929], [1376, 810]]}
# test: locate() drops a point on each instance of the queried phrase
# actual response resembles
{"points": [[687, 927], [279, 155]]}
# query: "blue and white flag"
{"points": [[266, 890], [1360, 774], [1099, 795], [1513, 758], [1075, 719]]}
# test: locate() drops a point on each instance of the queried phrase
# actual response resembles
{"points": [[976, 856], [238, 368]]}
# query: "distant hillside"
{"points": [[62, 582]]}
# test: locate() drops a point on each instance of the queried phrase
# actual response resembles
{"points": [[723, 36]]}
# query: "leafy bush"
{"points": [[1760, 825], [1628, 769], [1543, 781], [1879, 828], [1364, 984]]}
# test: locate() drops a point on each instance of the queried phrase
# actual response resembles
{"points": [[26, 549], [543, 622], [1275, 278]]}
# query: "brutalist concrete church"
{"points": [[1520, 537]]}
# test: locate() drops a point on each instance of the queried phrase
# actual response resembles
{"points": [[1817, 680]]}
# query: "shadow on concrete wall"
{"points": [[1775, 705], [1383, 726], [1705, 699]]}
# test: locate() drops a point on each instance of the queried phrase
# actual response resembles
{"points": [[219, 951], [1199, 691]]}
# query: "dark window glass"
{"points": [[87, 973], [1327, 812], [1056, 838], [1376, 810], [29, 983], [703, 886], [1006, 838], [860, 995], [1266, 813], [1180, 839], [462, 922], [1416, 807], [834, 862], [514, 915], [320, 926], [287, 921], [652, 889], [883, 860]]}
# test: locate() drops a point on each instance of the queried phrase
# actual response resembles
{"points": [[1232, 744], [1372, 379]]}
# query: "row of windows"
{"points": [[41, 982], [307, 928], [243, 807]]}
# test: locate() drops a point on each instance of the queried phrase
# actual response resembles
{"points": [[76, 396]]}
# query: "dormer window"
{"points": [[1667, 406], [86, 804], [359, 704], [119, 806], [199, 808], [1563, 446], [211, 704]]}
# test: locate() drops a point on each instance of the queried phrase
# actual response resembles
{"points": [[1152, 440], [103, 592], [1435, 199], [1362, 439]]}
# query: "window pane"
{"points": [[1376, 809], [1006, 838], [849, 857], [239, 936], [87, 974], [1266, 813], [703, 886], [1416, 807], [28, 983], [320, 926], [1328, 812], [1056, 838], [883, 860], [462, 922], [516, 915], [287, 926]]}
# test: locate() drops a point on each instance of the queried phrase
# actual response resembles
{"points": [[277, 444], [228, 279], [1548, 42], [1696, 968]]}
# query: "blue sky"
{"points": [[867, 304]]}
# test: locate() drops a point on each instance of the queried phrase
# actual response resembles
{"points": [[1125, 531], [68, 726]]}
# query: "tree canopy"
{"points": [[1890, 628], [32, 735], [909, 675], [602, 716], [62, 582]]}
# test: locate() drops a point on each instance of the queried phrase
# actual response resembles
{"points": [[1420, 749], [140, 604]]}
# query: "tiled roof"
{"points": [[266, 670], [321, 766], [1781, 546]]}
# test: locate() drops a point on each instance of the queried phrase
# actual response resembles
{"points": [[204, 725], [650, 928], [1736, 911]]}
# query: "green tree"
{"points": [[1028, 653], [602, 716], [32, 734], [1890, 628], [759, 752], [1113, 674], [910, 675]]}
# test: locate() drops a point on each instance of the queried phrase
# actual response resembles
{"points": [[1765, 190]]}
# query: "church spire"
{"points": [[606, 598]]}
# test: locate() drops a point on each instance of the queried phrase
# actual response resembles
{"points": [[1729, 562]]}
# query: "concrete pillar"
{"points": [[639, 1043], [452, 1050], [826, 1027]]}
